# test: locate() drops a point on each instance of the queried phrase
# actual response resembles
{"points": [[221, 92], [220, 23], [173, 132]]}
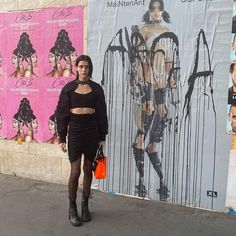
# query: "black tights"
{"points": [[74, 177]]}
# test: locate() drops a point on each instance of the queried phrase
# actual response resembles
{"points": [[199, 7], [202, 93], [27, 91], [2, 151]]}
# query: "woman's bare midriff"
{"points": [[82, 110]]}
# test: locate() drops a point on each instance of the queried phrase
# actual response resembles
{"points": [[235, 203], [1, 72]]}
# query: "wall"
{"points": [[44, 162]]}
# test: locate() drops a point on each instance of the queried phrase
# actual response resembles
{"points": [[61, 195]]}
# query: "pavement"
{"points": [[35, 208]]}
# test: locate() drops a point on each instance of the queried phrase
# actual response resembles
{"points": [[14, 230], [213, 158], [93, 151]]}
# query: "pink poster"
{"points": [[63, 41], [36, 62], [24, 111], [3, 80]]}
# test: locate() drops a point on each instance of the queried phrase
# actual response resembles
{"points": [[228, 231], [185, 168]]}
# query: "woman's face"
{"points": [[35, 126], [16, 125], [14, 60], [73, 57], [51, 127], [233, 118], [83, 70], [34, 59], [52, 59], [155, 12]]}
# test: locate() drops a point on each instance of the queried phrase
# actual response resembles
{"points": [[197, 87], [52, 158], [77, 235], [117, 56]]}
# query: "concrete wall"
{"points": [[44, 162]]}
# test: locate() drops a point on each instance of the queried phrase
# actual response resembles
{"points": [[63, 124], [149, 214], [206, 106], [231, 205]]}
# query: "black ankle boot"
{"points": [[73, 214], [85, 210], [140, 189], [163, 192]]}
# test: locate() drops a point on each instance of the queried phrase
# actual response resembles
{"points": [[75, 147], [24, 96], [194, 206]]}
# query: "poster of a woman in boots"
{"points": [[154, 74], [153, 54]]}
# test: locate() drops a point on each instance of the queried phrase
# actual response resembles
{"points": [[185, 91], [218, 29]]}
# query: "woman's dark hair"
{"points": [[24, 47], [17, 117], [84, 58], [231, 68], [53, 118], [63, 46], [165, 15], [25, 112]]}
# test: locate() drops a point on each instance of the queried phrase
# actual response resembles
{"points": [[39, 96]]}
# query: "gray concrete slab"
{"points": [[34, 208]]}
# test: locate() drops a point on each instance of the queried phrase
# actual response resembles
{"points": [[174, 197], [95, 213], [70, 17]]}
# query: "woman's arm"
{"points": [[63, 115], [101, 114]]}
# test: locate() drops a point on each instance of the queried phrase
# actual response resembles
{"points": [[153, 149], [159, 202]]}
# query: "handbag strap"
{"points": [[99, 154]]}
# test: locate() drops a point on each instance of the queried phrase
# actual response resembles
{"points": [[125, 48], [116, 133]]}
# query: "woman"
{"points": [[153, 75], [17, 61], [32, 125], [52, 126], [32, 61], [18, 124], [70, 59], [55, 62], [82, 107]]}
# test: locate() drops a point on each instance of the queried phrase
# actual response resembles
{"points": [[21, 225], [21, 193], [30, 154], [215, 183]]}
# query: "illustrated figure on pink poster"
{"points": [[62, 49], [25, 123], [52, 126], [24, 58], [17, 124]]}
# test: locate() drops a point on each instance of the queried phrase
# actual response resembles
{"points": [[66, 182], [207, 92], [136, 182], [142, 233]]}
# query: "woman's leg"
{"points": [[88, 176], [73, 179], [156, 135], [72, 189], [143, 122]]}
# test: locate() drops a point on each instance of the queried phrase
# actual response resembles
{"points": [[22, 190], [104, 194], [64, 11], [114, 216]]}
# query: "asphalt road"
{"points": [[35, 208]]}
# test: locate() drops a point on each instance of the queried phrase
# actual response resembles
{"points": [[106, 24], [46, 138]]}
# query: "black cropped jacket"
{"points": [[63, 109]]}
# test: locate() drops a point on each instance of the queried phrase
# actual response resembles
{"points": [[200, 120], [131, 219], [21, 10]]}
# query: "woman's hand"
{"points": [[63, 147], [101, 144]]}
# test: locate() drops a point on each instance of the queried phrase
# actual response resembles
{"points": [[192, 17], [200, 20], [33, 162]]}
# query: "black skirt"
{"points": [[83, 137]]}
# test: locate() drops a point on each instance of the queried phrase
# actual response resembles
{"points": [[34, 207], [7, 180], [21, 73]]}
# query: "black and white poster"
{"points": [[163, 65]]}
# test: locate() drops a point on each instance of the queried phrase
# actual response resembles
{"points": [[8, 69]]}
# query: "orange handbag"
{"points": [[100, 165]]}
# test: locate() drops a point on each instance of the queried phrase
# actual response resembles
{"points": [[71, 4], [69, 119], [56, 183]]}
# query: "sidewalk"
{"points": [[34, 208]]}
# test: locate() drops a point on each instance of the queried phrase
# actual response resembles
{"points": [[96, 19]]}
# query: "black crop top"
{"points": [[82, 100]]}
